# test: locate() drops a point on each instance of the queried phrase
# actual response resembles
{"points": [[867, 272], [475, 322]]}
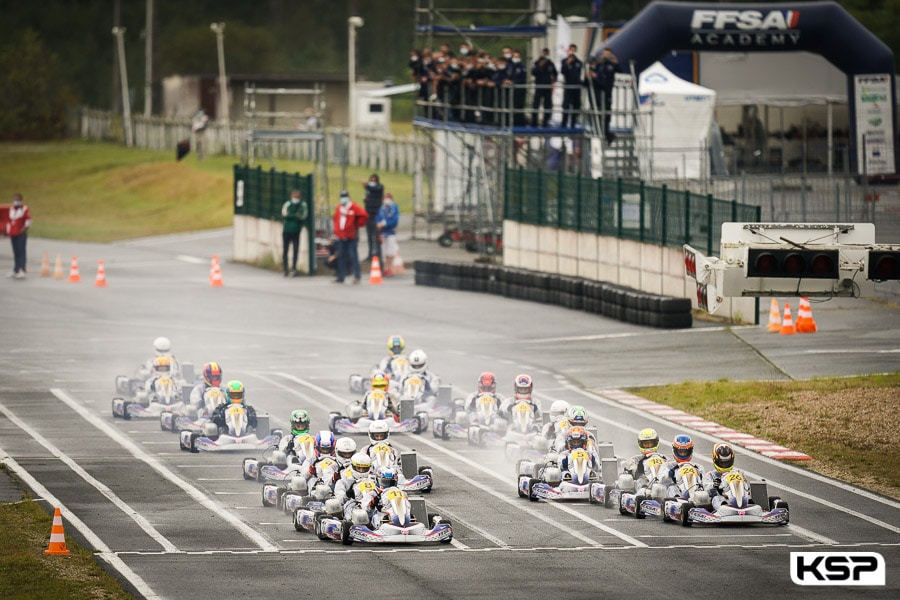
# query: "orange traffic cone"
{"points": [[215, 273], [399, 268], [74, 276], [774, 317], [375, 271], [101, 275], [45, 265], [58, 270], [57, 536], [787, 326], [805, 322]]}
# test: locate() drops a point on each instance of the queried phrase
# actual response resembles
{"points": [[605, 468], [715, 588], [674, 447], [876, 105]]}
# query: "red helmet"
{"points": [[212, 374], [523, 387], [487, 382]]}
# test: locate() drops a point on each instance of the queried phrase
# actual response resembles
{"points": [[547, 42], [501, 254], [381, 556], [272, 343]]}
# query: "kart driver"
{"points": [[380, 383], [523, 387], [648, 442], [682, 454], [418, 365], [714, 481], [212, 379], [396, 345], [234, 391], [487, 386]]}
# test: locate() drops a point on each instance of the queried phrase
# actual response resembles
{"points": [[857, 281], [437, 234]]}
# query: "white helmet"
{"points": [[558, 409], [418, 360], [378, 431], [360, 465], [162, 345], [345, 448]]}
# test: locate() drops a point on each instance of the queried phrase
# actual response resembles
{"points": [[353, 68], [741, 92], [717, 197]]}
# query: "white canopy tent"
{"points": [[676, 120]]}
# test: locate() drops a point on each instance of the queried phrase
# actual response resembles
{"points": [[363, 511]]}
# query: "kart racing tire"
{"points": [[665, 516], [346, 540], [622, 510], [296, 522], [776, 502], [194, 437], [607, 499], [318, 527], [531, 483], [519, 488], [426, 470], [244, 469], [445, 240], [685, 514], [637, 507]]}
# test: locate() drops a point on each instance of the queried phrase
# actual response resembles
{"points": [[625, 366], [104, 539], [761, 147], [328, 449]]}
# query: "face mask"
{"points": [[295, 200], [345, 200], [463, 51], [516, 60], [413, 57], [507, 56], [17, 204], [372, 184]]}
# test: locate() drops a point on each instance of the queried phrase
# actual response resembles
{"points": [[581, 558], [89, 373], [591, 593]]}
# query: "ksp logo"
{"points": [[837, 568]]}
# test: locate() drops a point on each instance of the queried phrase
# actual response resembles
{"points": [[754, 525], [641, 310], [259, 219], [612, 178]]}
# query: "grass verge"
{"points": [[846, 424], [26, 572]]}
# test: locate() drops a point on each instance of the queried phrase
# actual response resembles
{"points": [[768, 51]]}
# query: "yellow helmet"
{"points": [[648, 441], [379, 381], [162, 365]]}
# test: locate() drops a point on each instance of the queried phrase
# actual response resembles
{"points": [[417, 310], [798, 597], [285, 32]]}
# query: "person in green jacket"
{"points": [[293, 216]]}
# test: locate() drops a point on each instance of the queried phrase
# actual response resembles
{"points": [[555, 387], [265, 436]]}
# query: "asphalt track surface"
{"points": [[180, 525]]}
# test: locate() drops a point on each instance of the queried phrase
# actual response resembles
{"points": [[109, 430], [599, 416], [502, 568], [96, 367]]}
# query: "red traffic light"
{"points": [[883, 265], [796, 263]]}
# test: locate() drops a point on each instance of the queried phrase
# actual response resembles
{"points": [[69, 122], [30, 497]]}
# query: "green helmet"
{"points": [[235, 391], [299, 422]]}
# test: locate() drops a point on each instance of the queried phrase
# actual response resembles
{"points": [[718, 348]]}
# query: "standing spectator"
{"points": [[502, 92], [374, 197], [293, 215], [420, 74], [17, 230], [571, 72], [312, 121], [484, 81], [518, 77], [348, 218], [198, 128], [602, 76], [386, 221], [544, 72]]}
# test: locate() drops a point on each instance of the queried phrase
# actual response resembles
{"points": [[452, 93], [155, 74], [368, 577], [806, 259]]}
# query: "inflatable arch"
{"points": [[823, 28]]}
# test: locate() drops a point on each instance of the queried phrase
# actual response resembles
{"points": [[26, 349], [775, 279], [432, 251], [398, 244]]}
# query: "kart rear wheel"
{"points": [[685, 514], [779, 503], [531, 483], [244, 469], [622, 510], [449, 539], [637, 507], [346, 540], [665, 516], [296, 521], [318, 527]]}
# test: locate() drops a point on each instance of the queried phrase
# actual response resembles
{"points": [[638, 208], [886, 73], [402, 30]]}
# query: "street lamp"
{"points": [[352, 23], [119, 32], [219, 29]]}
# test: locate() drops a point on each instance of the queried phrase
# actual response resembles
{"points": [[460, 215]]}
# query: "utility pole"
{"points": [[119, 32], [219, 29], [352, 23], [148, 61]]}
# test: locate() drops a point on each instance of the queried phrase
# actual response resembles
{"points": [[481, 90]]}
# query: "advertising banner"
{"points": [[874, 124]]}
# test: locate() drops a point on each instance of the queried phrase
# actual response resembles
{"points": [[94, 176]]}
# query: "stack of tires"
{"points": [[597, 297]]}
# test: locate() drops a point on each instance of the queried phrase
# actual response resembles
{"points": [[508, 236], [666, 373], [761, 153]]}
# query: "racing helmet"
{"points": [[487, 383], [380, 381], [162, 365], [325, 443], [576, 437], [235, 391], [577, 415], [386, 476], [360, 465], [299, 422], [683, 448], [345, 447], [396, 345], [418, 360], [558, 409], [378, 432], [648, 441], [723, 457], [523, 386], [162, 345], [212, 374]]}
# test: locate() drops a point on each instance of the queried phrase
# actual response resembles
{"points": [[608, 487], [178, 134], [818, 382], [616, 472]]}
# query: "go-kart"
{"points": [[393, 524], [746, 504], [522, 438], [647, 498], [550, 483], [133, 387], [188, 417], [357, 419], [276, 466], [412, 477], [165, 397], [486, 414], [436, 406], [236, 436]]}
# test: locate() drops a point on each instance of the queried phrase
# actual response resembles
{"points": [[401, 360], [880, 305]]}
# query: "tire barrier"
{"points": [[597, 297]]}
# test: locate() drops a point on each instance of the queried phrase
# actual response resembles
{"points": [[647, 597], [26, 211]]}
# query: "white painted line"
{"points": [[796, 470], [505, 480], [98, 485], [194, 260], [629, 334], [92, 538], [236, 493], [852, 351], [718, 535], [218, 479], [215, 507]]}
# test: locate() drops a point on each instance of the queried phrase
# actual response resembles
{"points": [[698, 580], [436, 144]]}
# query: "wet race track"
{"points": [[177, 524]]}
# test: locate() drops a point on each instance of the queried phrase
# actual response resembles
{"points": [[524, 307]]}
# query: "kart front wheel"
{"points": [[531, 483], [685, 514], [637, 507], [346, 540]]}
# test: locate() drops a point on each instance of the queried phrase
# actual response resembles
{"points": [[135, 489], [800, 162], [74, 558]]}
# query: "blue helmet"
{"points": [[325, 443], [683, 448], [387, 477]]}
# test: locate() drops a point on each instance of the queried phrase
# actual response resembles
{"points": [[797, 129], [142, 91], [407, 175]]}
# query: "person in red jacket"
{"points": [[348, 218], [17, 230]]}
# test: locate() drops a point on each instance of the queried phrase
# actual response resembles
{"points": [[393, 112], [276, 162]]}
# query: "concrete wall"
{"points": [[256, 239], [646, 267]]}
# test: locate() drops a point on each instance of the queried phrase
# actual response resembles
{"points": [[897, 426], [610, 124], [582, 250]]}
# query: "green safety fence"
{"points": [[261, 194], [653, 215]]}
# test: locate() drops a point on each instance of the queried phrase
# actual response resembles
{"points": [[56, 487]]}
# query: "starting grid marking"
{"points": [[745, 440]]}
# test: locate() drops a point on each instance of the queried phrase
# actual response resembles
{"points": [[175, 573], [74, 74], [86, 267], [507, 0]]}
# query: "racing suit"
{"points": [[197, 399], [344, 488], [369, 449], [510, 403], [218, 416], [288, 445], [556, 434], [391, 408], [472, 405], [324, 469], [432, 383], [675, 488], [146, 369], [720, 491], [636, 465], [386, 365]]}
